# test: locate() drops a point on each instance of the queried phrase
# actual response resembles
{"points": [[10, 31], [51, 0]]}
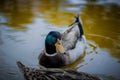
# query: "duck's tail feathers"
{"points": [[20, 66], [79, 21]]}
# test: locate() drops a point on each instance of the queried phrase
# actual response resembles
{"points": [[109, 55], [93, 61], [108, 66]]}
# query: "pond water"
{"points": [[24, 25]]}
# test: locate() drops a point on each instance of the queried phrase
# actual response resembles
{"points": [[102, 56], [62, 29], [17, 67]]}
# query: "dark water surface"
{"points": [[24, 25]]}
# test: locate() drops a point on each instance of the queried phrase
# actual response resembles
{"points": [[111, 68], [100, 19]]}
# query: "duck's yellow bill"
{"points": [[59, 46]]}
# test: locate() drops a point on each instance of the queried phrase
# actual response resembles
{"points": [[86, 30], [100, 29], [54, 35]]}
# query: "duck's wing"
{"points": [[28, 72], [73, 34], [53, 74]]}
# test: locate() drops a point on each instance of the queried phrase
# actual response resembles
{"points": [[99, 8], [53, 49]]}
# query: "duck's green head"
{"points": [[53, 43]]}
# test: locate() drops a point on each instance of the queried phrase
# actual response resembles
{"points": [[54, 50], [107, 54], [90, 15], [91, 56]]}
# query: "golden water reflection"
{"points": [[102, 26], [52, 13], [18, 12]]}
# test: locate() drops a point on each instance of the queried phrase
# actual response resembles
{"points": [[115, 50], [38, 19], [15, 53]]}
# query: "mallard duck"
{"points": [[30, 73], [63, 48]]}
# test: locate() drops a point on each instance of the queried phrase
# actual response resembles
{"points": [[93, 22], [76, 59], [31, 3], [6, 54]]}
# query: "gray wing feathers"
{"points": [[70, 37]]}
